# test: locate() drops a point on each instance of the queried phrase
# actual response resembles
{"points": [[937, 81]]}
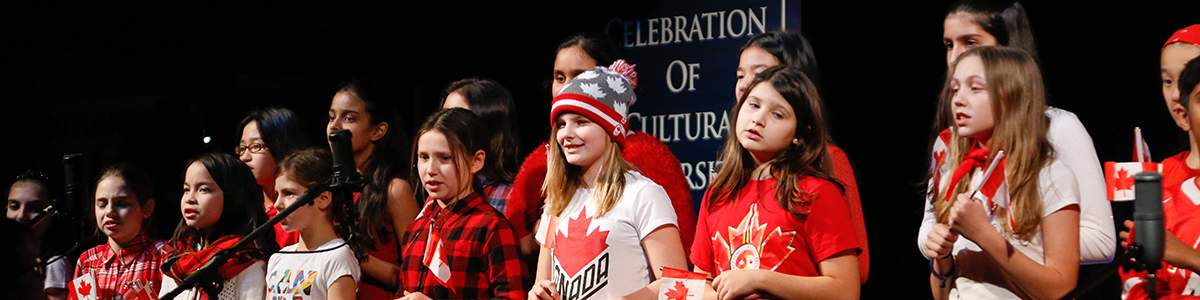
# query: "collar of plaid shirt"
{"points": [[126, 255], [454, 210]]}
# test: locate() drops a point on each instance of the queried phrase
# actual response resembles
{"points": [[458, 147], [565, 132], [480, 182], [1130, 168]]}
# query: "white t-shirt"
{"points": [[248, 284], [603, 258], [1074, 148], [58, 273], [978, 277], [307, 275]]}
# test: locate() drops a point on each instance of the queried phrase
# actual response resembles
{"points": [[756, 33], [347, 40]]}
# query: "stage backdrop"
{"points": [[686, 54]]}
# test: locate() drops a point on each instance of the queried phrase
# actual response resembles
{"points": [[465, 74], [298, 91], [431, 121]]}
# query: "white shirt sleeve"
{"points": [[928, 220], [1073, 144], [167, 285], [1058, 188], [343, 264], [58, 273], [653, 209], [252, 282]]}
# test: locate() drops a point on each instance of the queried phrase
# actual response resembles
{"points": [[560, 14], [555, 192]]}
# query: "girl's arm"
{"points": [[1060, 236], [665, 249], [543, 288], [403, 208], [343, 288], [838, 280], [506, 272], [1176, 252]]}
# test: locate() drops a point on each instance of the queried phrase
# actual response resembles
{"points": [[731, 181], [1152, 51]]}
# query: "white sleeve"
{"points": [[342, 264], [253, 282], [168, 284], [927, 221], [653, 209], [540, 233], [1073, 144], [58, 273], [1058, 188]]}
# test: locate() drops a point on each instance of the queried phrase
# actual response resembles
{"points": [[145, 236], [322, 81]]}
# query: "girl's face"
{"points": [[203, 200], [289, 191], [583, 142], [456, 99], [118, 214], [26, 200], [350, 113], [960, 33], [766, 123], [971, 105], [752, 61], [262, 163], [570, 62], [437, 163], [1174, 57]]}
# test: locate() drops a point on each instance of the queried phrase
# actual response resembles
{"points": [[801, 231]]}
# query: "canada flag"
{"points": [[1118, 177], [82, 288], [435, 258], [994, 189], [1141, 151], [679, 284]]}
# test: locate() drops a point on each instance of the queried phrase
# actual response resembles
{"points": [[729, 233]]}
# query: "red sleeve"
{"points": [[701, 250], [845, 173], [507, 273], [525, 200], [654, 160], [828, 223]]}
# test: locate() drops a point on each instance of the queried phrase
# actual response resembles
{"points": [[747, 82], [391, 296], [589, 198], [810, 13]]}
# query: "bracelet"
{"points": [[940, 277]]}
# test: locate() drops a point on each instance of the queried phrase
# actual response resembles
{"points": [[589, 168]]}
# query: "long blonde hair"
{"points": [[563, 178], [1018, 101]]}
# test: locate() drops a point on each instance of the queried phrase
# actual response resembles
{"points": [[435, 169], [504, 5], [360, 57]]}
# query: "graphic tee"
{"points": [[754, 232], [1181, 213], [602, 257], [307, 275]]}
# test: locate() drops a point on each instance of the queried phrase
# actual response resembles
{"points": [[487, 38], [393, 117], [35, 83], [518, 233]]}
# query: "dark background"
{"points": [[146, 83]]}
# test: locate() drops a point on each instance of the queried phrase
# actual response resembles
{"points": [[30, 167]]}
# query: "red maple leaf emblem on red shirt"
{"points": [[579, 247], [1124, 181], [679, 292], [84, 289]]}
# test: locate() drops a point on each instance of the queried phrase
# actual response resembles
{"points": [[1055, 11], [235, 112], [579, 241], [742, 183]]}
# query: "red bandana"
{"points": [[974, 158], [189, 261]]}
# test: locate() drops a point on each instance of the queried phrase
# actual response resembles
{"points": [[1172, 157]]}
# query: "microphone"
{"points": [[72, 188], [345, 172], [1148, 224]]}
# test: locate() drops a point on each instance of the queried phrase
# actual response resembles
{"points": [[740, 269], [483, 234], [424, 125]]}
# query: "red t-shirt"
{"points": [[282, 237], [1176, 170], [1181, 214], [844, 172], [754, 232]]}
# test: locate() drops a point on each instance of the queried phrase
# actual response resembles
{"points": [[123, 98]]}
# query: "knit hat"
{"points": [[1190, 35], [601, 94]]}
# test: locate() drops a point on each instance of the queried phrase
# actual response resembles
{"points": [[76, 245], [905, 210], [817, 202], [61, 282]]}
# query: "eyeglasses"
{"points": [[254, 148]]}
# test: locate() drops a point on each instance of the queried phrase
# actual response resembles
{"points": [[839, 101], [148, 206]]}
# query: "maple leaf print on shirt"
{"points": [[581, 245]]}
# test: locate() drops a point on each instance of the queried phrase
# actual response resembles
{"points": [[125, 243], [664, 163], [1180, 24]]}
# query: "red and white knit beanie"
{"points": [[601, 94]]}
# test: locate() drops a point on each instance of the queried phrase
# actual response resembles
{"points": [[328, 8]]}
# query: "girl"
{"points": [[975, 23], [1180, 48], [123, 207], [600, 213], [999, 104], [321, 265], [386, 202], [780, 47], [268, 134], [494, 105], [649, 155], [475, 246], [774, 195], [28, 197], [220, 206]]}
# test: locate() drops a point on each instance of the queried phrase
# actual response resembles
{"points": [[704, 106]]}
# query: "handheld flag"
{"points": [[1141, 151], [679, 284], [993, 190], [435, 258], [1118, 177], [82, 288]]}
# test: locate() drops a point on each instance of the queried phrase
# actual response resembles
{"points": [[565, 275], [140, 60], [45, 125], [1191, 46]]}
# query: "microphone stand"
{"points": [[207, 276]]}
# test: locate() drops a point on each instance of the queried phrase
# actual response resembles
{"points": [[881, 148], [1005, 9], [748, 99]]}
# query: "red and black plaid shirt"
{"points": [[116, 271], [481, 249]]}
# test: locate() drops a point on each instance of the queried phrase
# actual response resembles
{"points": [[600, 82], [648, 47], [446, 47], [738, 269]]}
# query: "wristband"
{"points": [[940, 277]]}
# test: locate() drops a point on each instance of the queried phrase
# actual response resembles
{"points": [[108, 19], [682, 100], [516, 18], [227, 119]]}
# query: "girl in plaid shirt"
{"points": [[123, 204], [460, 248], [494, 105]]}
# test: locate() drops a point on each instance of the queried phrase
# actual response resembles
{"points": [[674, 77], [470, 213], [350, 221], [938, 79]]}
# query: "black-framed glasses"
{"points": [[254, 148]]}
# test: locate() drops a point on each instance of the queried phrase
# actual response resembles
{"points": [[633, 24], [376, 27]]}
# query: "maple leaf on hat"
{"points": [[593, 90], [616, 84]]}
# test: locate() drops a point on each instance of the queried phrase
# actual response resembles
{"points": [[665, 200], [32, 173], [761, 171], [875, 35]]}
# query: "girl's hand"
{"points": [[738, 284], [1126, 236], [968, 218], [940, 241], [414, 296], [544, 290]]}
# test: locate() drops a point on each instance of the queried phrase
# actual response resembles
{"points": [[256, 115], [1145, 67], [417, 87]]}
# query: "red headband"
{"points": [[1190, 35]]}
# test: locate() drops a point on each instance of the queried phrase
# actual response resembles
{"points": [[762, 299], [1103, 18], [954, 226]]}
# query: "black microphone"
{"points": [[1148, 224], [345, 172], [72, 189]]}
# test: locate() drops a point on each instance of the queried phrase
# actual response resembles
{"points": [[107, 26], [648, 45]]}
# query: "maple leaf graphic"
{"points": [[938, 156], [84, 289], [751, 246], [1124, 181], [679, 292], [579, 247]]}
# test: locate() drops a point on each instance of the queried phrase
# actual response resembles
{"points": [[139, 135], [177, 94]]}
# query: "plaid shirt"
{"points": [[116, 272], [481, 249], [497, 193]]}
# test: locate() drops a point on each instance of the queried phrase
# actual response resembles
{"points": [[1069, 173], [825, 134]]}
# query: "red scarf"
{"points": [[189, 261], [974, 158]]}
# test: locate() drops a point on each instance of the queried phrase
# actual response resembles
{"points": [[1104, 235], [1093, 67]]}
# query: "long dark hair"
{"points": [[790, 49], [1003, 19], [387, 161], [494, 105], [809, 158], [465, 133], [241, 210], [280, 128], [313, 166], [598, 47]]}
